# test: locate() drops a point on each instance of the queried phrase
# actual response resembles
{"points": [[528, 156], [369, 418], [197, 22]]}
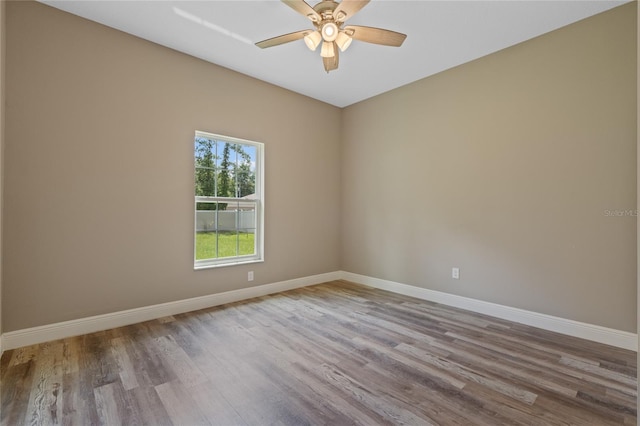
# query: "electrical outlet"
{"points": [[250, 276], [455, 273]]}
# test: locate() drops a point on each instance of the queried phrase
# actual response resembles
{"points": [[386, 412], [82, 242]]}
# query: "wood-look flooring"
{"points": [[331, 354]]}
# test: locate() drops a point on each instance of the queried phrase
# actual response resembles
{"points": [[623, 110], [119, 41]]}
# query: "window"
{"points": [[228, 200]]}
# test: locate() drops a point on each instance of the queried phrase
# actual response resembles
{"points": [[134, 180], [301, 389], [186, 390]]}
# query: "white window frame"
{"points": [[258, 256]]}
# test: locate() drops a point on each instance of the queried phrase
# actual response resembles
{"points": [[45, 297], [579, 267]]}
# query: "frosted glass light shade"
{"points": [[327, 50], [329, 31], [343, 41], [313, 40]]}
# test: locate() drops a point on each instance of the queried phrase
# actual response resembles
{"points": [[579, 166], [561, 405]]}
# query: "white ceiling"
{"points": [[440, 35]]}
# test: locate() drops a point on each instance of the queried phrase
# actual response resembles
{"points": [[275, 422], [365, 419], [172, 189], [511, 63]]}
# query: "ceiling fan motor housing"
{"points": [[329, 26], [325, 8]]}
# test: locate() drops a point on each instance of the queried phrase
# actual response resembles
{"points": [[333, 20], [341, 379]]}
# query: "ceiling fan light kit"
{"points": [[328, 17]]}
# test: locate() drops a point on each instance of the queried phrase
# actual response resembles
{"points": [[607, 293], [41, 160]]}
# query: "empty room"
{"points": [[318, 212]]}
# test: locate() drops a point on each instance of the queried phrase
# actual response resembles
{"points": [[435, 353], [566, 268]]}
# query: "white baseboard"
{"points": [[45, 333], [596, 333], [30, 336]]}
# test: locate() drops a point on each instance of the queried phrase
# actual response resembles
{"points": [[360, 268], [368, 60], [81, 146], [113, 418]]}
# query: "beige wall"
{"points": [[505, 167], [100, 130]]}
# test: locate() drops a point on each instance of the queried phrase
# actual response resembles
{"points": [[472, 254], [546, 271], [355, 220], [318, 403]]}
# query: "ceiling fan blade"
{"points": [[331, 64], [304, 9], [375, 35], [348, 8], [286, 38]]}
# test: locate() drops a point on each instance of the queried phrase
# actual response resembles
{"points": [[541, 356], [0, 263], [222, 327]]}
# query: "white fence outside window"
{"points": [[210, 220]]}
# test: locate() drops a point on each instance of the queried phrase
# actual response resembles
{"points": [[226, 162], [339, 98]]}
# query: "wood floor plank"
{"points": [[298, 372], [580, 375], [450, 407], [45, 401], [148, 406], [124, 364], [176, 359], [332, 354], [15, 389], [507, 389], [109, 404], [214, 406], [179, 405], [79, 405]]}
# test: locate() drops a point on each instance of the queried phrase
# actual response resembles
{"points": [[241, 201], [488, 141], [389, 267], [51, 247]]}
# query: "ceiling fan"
{"points": [[329, 17]]}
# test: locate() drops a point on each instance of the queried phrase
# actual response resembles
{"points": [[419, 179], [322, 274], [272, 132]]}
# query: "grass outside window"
{"points": [[215, 245]]}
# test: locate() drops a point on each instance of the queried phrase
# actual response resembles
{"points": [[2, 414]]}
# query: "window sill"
{"points": [[225, 264]]}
